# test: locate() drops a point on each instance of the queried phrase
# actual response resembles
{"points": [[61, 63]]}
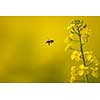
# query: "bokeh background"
{"points": [[24, 55]]}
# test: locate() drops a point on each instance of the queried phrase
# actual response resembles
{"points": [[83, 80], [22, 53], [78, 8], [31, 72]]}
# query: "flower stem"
{"points": [[83, 58]]}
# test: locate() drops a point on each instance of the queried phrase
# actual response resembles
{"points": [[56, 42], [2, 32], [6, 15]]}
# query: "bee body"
{"points": [[49, 42]]}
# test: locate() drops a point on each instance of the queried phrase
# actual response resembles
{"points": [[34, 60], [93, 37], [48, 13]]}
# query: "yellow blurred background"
{"points": [[24, 55]]}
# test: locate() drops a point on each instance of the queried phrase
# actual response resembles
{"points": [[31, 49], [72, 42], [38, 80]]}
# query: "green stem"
{"points": [[83, 58]]}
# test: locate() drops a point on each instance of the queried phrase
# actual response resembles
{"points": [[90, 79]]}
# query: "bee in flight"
{"points": [[49, 42]]}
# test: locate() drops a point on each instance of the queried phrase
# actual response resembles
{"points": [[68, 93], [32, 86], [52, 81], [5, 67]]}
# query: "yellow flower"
{"points": [[68, 43], [88, 52], [85, 34], [96, 62], [94, 72], [73, 70], [70, 26], [68, 46], [71, 36], [82, 70], [79, 24], [73, 73], [84, 37], [67, 40], [89, 56], [72, 79], [76, 55], [82, 26]]}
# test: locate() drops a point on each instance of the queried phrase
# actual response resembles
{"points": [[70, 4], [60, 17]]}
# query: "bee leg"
{"points": [[49, 44]]}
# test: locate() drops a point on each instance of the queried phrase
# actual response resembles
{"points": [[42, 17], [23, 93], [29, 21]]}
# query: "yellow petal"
{"points": [[72, 57], [88, 52], [75, 52], [71, 36], [94, 68], [76, 55], [66, 40], [66, 48], [70, 26], [68, 45], [82, 66], [81, 72], [73, 78], [97, 64], [89, 57], [77, 58], [95, 74], [73, 67]]}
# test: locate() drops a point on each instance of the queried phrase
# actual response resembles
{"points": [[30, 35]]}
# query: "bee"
{"points": [[49, 42]]}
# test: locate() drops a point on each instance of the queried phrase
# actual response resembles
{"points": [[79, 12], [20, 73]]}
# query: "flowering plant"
{"points": [[77, 37]]}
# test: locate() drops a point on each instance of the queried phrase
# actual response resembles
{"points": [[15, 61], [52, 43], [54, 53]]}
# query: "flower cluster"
{"points": [[91, 67], [79, 33]]}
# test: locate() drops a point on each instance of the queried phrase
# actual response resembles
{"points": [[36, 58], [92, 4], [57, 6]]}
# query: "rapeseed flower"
{"points": [[73, 73], [94, 72], [83, 70], [78, 32], [76, 55]]}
